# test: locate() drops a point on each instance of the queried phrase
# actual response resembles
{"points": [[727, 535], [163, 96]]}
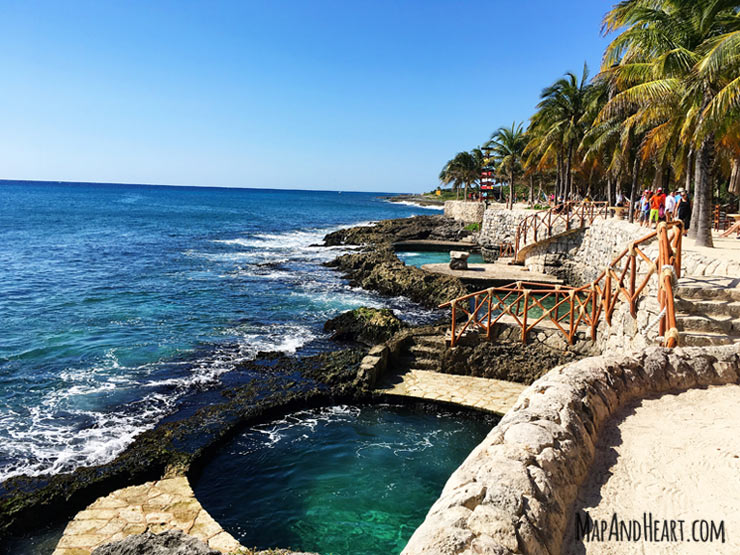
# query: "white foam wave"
{"points": [[416, 204], [43, 443]]}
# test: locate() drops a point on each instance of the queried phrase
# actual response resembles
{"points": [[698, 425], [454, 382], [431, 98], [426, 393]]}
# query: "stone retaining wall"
{"points": [[468, 212], [499, 226], [515, 491]]}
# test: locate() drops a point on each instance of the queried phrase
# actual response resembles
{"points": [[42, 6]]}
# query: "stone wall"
{"points": [[468, 212], [499, 226], [515, 491]]}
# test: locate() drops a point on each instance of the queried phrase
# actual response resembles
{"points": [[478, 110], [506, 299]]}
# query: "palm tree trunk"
{"points": [[539, 188], [689, 171], [531, 190], [701, 218], [511, 191], [559, 179], [609, 196], [633, 193], [465, 197], [569, 172]]}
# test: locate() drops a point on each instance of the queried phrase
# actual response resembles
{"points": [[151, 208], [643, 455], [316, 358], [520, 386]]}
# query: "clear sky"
{"points": [[354, 95]]}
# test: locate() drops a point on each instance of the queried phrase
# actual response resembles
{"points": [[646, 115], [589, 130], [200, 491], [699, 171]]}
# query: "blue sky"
{"points": [[361, 95]]}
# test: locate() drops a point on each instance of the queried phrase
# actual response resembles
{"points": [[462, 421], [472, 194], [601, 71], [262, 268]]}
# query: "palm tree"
{"points": [[558, 125], [671, 60], [464, 169], [507, 146]]}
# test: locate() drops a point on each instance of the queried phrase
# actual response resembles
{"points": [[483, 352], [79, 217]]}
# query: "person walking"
{"points": [[683, 210], [670, 207], [644, 208], [657, 205]]}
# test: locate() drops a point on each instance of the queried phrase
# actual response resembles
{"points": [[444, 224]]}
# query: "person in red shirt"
{"points": [[657, 204]]}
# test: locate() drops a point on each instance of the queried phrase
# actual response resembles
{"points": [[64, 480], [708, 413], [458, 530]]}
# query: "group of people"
{"points": [[662, 206]]}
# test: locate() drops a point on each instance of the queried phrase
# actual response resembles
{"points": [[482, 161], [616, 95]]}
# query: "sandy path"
{"points": [[677, 457]]}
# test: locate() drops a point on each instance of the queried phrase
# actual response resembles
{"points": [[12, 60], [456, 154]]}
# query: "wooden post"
{"points": [[490, 306], [452, 328], [524, 317], [593, 313], [633, 277], [608, 296], [572, 321]]}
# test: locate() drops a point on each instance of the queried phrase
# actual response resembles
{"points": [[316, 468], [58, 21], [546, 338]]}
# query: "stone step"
{"points": [[414, 363], [426, 351], [703, 339], [705, 307], [436, 341], [708, 291], [718, 324]]}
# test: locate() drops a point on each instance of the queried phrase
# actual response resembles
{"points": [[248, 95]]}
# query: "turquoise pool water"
{"points": [[418, 259], [340, 480]]}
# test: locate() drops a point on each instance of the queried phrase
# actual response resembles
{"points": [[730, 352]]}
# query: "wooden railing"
{"points": [[570, 308], [506, 250], [558, 219]]}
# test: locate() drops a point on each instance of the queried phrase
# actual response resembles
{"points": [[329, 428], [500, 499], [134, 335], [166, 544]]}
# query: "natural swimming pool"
{"points": [[340, 480], [418, 259]]}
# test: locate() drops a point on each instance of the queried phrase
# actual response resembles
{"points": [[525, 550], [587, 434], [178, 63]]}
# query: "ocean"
{"points": [[117, 300]]}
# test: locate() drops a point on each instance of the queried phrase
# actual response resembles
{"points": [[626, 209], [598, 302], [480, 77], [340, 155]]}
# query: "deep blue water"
{"points": [[115, 300], [343, 480]]}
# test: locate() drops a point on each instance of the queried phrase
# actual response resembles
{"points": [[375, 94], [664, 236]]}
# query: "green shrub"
{"points": [[473, 227]]}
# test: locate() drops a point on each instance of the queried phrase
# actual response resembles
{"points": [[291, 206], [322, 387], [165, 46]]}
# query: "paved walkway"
{"points": [[154, 506], [488, 273], [676, 457], [725, 248], [495, 396]]}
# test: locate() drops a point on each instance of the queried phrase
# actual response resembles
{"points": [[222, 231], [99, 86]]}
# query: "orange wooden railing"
{"points": [[574, 307], [506, 250], [558, 219]]}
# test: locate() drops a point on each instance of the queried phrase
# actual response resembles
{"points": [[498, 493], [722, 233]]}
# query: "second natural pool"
{"points": [[418, 259], [339, 480]]}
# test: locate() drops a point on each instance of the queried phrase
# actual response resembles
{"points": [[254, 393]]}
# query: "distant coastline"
{"points": [[416, 200]]}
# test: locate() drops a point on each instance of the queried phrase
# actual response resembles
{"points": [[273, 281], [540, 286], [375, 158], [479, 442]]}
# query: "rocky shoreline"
{"points": [[377, 268]]}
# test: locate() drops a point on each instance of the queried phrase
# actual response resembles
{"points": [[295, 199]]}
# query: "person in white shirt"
{"points": [[670, 207]]}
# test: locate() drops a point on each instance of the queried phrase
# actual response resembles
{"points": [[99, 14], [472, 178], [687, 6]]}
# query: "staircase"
{"points": [[708, 311], [424, 352]]}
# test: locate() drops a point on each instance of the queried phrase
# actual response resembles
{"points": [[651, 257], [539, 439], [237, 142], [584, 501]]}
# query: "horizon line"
{"points": [[64, 182]]}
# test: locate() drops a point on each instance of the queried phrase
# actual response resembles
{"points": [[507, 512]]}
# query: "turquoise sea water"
{"points": [[116, 300], [341, 480], [420, 258]]}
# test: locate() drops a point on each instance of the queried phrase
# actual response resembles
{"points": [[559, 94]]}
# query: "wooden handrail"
{"points": [[568, 215], [585, 305]]}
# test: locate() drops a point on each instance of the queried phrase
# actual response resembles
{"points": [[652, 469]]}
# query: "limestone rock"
{"points": [[365, 325], [171, 542]]}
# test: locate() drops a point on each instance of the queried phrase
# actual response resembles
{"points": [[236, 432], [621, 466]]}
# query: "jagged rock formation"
{"points": [[380, 270], [511, 361], [369, 326], [402, 229]]}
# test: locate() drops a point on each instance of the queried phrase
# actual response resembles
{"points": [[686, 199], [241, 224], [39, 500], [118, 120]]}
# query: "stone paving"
{"points": [[495, 396], [494, 272], [154, 506]]}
